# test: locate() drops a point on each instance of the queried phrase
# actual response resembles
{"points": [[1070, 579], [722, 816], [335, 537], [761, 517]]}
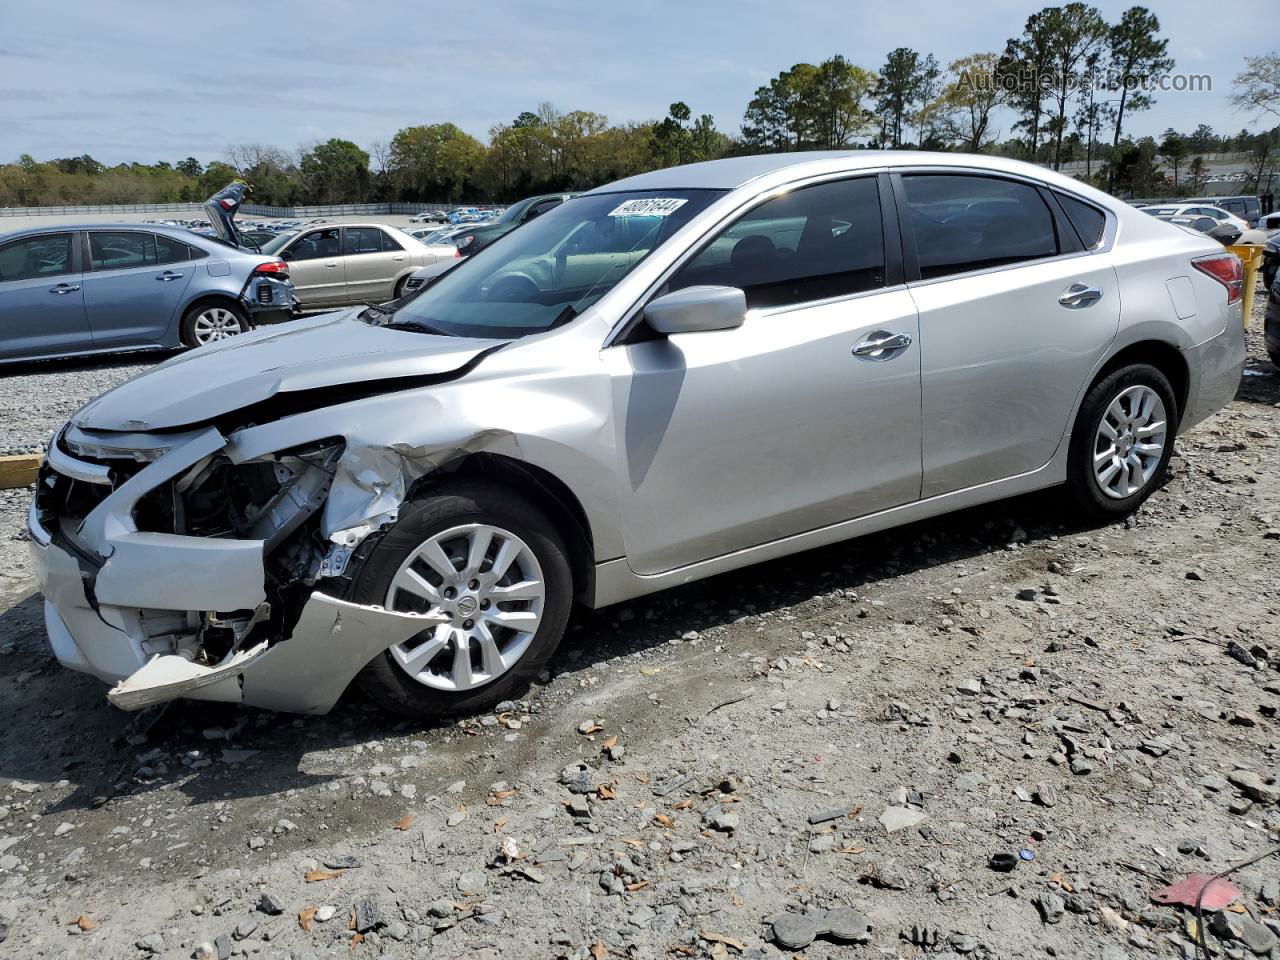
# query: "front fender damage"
{"points": [[373, 480]]}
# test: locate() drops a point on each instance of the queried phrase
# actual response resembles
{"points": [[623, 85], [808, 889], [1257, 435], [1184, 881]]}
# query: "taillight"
{"points": [[457, 254], [276, 268], [1227, 269]]}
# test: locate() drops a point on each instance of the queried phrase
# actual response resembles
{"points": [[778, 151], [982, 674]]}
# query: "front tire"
{"points": [[1122, 441], [209, 322], [493, 562]]}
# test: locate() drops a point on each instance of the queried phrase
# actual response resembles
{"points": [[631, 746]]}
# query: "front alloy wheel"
{"points": [[490, 584], [497, 566]]}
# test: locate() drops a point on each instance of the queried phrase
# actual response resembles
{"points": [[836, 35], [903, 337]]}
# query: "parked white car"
{"points": [[1164, 211]]}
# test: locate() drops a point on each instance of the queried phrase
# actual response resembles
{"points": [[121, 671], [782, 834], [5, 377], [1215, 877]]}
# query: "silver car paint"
{"points": [[682, 465]]}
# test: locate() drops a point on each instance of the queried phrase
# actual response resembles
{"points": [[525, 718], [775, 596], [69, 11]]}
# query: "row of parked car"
{"points": [[69, 290]]}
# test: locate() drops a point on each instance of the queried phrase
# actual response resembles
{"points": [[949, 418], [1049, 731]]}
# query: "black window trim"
{"points": [[894, 250], [897, 174], [77, 261]]}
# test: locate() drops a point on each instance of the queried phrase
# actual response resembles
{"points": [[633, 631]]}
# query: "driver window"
{"points": [[814, 243]]}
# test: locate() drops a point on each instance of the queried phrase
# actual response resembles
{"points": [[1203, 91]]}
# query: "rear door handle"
{"points": [[65, 288], [881, 345], [168, 275], [1080, 295], [331, 265]]}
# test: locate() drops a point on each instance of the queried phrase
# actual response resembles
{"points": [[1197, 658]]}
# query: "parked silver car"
{"points": [[672, 376], [97, 288]]}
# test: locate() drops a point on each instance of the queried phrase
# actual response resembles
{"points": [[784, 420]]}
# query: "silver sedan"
{"points": [[670, 377]]}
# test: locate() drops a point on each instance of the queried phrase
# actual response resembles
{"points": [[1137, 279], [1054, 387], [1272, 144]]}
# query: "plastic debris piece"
{"points": [[1027, 855], [1217, 893]]}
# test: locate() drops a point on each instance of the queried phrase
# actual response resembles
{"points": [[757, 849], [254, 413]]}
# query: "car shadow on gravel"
{"points": [[1260, 384], [58, 724]]}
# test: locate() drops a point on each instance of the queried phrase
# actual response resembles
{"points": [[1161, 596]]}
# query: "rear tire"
{"points": [[519, 550], [211, 321], [1122, 441], [398, 292]]}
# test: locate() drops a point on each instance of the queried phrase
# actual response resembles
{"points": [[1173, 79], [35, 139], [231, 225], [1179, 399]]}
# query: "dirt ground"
{"points": [[1099, 703]]}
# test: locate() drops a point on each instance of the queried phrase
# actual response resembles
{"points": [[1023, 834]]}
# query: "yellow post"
{"points": [[1251, 255], [19, 471]]}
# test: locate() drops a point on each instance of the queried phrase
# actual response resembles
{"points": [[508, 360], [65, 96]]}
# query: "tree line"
{"points": [[1070, 81]]}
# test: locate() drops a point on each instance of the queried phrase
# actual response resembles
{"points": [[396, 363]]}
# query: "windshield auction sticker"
{"points": [[648, 207]]}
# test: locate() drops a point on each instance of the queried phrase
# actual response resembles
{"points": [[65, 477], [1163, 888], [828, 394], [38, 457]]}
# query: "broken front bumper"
{"points": [[126, 605]]}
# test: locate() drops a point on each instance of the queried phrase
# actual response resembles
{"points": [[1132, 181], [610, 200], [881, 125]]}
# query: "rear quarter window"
{"points": [[1089, 221]]}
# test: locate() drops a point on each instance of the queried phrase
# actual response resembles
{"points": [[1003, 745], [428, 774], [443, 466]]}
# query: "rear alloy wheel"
{"points": [[1122, 441], [497, 567], [210, 322]]}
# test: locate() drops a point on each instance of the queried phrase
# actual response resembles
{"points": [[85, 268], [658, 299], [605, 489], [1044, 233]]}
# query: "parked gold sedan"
{"points": [[336, 265]]}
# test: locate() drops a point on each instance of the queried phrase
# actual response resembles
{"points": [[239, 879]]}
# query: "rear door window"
{"points": [[814, 243], [390, 244], [964, 222], [121, 249], [44, 255], [363, 240], [169, 250]]}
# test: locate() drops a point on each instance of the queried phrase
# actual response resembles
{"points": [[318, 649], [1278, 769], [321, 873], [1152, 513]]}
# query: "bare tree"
{"points": [[1258, 85]]}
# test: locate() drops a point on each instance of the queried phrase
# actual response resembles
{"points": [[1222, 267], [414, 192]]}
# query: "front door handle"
{"points": [[168, 275], [882, 345], [1080, 295], [65, 288], [332, 265]]}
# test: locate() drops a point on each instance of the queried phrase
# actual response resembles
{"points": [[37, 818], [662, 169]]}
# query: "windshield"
{"points": [[553, 268], [277, 242]]}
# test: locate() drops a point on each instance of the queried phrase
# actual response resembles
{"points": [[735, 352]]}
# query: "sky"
{"points": [[149, 80]]}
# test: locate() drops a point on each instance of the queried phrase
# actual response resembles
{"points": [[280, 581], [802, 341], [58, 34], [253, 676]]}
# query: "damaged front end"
{"points": [[171, 570]]}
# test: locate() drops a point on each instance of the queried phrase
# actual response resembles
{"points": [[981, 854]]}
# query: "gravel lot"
{"points": [[860, 727]]}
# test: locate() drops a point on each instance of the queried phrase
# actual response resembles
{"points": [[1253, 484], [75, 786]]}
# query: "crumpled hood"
{"points": [[313, 352]]}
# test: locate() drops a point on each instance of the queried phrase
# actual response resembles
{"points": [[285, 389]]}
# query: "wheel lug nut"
{"points": [[484, 604], [450, 593], [473, 585], [468, 624]]}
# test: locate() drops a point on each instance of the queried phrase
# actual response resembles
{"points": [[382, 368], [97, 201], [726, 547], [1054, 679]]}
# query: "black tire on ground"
{"points": [[398, 292], [187, 330], [1080, 476], [448, 505]]}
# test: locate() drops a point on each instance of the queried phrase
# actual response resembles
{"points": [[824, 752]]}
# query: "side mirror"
{"points": [[697, 309], [286, 255]]}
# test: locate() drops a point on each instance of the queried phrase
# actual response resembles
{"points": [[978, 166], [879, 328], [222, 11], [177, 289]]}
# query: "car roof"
{"points": [[173, 231], [733, 172]]}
